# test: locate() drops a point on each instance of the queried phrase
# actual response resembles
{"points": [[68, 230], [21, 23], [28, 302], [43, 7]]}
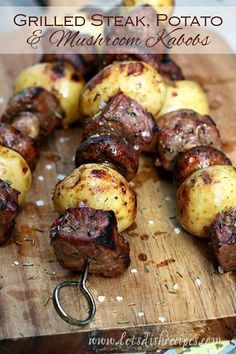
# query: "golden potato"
{"points": [[203, 195], [138, 80], [60, 79], [100, 187], [13, 168], [165, 6], [185, 94]]}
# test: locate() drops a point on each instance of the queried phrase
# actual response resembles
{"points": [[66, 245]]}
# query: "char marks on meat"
{"points": [[84, 233], [126, 118]]}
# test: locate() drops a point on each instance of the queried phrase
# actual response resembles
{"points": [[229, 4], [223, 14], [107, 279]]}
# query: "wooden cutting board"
{"points": [[159, 296]]}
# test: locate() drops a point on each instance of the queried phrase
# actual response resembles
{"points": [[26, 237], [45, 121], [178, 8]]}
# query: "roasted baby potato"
{"points": [[99, 187], [14, 169], [203, 195], [158, 5], [185, 94], [59, 78], [137, 80]]}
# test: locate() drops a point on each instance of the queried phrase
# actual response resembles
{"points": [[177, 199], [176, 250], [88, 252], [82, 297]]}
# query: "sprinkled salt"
{"points": [[168, 198], [140, 314], [119, 298], [101, 298], [1, 100], [161, 319], [198, 282], [136, 147], [134, 270], [177, 230], [175, 286], [60, 177], [146, 133], [15, 263], [39, 202], [220, 270], [102, 105], [151, 222], [48, 167], [41, 178], [64, 140]]}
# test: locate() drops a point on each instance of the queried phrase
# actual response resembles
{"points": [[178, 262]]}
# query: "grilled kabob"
{"points": [[32, 113], [105, 161], [188, 144]]}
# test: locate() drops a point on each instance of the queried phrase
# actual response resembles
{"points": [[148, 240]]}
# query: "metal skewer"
{"points": [[90, 300]]}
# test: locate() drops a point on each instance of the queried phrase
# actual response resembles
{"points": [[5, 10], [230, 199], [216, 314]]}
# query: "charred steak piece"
{"points": [[8, 209], [223, 237], [111, 150], [24, 145], [85, 233], [126, 118], [196, 158], [39, 101], [182, 130]]}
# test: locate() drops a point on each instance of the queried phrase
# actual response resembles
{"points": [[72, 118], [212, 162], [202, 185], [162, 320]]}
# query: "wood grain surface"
{"points": [[172, 285]]}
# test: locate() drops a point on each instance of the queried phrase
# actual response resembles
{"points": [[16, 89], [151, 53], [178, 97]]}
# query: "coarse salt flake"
{"points": [[177, 230], [64, 140], [60, 177], [48, 167], [220, 270], [134, 270], [161, 319], [119, 298], [136, 147], [151, 222], [140, 314], [198, 282], [175, 286], [168, 198], [15, 263], [40, 178], [101, 298], [39, 202]]}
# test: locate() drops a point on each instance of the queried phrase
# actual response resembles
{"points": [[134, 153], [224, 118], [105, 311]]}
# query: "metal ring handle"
{"points": [[90, 300]]}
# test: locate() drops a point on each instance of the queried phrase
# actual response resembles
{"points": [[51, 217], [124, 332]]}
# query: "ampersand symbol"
{"points": [[35, 38]]}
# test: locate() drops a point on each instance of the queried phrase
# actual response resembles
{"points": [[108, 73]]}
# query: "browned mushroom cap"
{"points": [[109, 149], [198, 157], [38, 101], [182, 130]]}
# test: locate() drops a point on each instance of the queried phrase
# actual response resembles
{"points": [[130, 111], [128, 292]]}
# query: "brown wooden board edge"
{"points": [[179, 334]]}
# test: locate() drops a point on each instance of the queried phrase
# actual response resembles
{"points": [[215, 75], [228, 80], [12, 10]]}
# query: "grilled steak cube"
{"points": [[126, 118], [223, 237], [85, 233]]}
